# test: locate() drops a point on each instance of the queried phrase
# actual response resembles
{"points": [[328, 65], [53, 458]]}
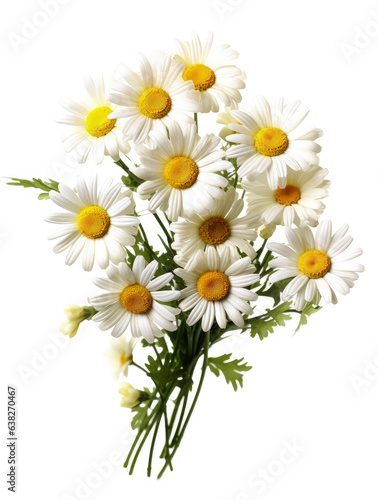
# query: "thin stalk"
{"points": [[168, 236], [149, 467], [196, 120], [204, 367], [147, 432]]}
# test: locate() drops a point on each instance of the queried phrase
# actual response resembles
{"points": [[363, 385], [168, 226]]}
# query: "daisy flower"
{"points": [[320, 266], [222, 227], [154, 97], [180, 172], [212, 71], [120, 355], [89, 130], [96, 223], [271, 138], [216, 288], [225, 118], [133, 299], [299, 202]]}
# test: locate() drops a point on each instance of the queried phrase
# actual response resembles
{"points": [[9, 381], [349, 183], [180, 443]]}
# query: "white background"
{"points": [[301, 387]]}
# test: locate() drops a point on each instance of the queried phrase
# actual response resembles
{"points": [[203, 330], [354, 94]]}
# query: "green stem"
{"points": [[168, 236], [196, 120], [204, 367], [149, 467]]}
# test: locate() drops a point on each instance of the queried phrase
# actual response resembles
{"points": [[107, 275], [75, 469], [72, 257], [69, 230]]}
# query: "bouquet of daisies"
{"points": [[212, 205]]}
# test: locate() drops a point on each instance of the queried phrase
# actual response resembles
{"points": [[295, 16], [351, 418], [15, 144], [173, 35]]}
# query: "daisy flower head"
{"points": [[217, 288], [96, 222], [320, 265], [222, 227], [132, 299], [180, 172], [212, 71], [299, 202], [120, 355], [225, 118], [154, 97], [89, 131], [271, 138]]}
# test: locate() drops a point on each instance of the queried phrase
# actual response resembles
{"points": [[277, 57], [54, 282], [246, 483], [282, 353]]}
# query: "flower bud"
{"points": [[266, 231], [130, 395], [70, 328], [74, 313]]}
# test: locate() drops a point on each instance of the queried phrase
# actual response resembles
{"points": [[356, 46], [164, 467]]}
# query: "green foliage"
{"points": [[47, 186], [307, 311], [231, 369], [140, 418], [132, 181], [265, 324]]}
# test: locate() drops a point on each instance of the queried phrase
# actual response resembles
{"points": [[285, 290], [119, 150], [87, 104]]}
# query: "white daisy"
{"points": [[120, 355], [133, 299], [96, 224], [299, 202], [222, 227], [216, 287], [212, 71], [154, 97], [89, 130], [180, 172], [225, 118], [320, 266], [272, 138]]}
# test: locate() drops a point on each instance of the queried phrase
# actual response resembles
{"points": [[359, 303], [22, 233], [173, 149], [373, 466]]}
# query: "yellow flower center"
{"points": [[93, 222], [213, 285], [125, 359], [155, 103], [215, 231], [181, 172], [289, 195], [202, 76], [136, 299], [271, 141], [97, 123], [314, 264]]}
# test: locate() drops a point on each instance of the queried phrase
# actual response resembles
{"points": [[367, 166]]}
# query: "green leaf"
{"points": [[132, 181], [232, 370], [46, 186], [307, 311], [262, 327], [265, 324]]}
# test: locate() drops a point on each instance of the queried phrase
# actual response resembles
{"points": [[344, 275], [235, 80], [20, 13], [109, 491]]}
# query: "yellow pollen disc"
{"points": [[215, 231], [213, 285], [289, 195], [93, 222], [97, 123], [136, 299], [125, 359], [314, 264], [181, 172], [202, 76], [155, 103], [271, 141]]}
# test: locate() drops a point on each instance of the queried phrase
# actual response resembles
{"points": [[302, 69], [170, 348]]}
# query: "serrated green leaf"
{"points": [[307, 311], [47, 186], [265, 324], [232, 370]]}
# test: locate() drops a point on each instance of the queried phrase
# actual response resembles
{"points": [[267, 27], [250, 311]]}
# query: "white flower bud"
{"points": [[266, 231], [130, 395], [70, 328], [74, 312]]}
